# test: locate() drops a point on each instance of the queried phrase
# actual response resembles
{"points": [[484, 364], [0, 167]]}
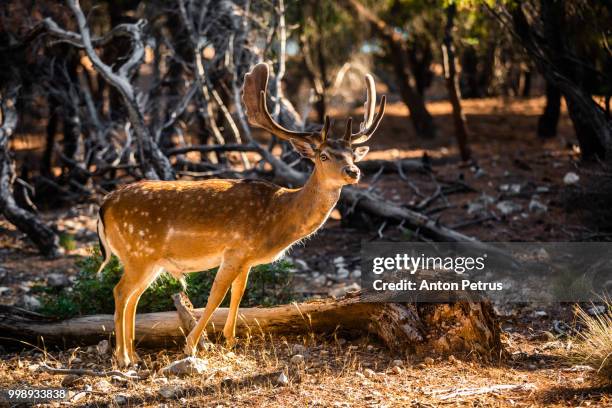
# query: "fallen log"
{"points": [[419, 328]]}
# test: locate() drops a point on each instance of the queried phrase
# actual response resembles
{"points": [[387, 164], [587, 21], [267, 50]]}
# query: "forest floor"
{"points": [[515, 192]]}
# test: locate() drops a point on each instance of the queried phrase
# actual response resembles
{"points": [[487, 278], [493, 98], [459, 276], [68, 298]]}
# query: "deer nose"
{"points": [[352, 171]]}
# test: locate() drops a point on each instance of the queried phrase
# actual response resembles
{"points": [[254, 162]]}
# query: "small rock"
{"points": [[452, 359], [508, 207], [297, 359], [320, 280], [369, 373], [356, 273], [539, 313], [282, 379], [342, 273], [338, 261], [70, 380], [30, 302], [475, 208], [542, 255], [76, 360], [370, 347], [103, 386], [397, 370], [301, 264], [542, 189], [57, 280], [596, 310], [5, 291], [343, 290], [571, 178], [33, 367], [121, 399], [298, 349], [186, 366], [78, 396], [103, 347], [169, 392], [398, 363], [510, 188], [537, 206], [486, 199], [118, 380], [428, 361], [480, 173]]}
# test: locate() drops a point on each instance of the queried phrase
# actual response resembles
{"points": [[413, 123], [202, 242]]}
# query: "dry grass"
{"points": [[336, 373], [594, 345]]}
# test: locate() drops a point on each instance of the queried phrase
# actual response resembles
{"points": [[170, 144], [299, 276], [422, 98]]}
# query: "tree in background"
{"points": [[573, 59], [452, 82], [394, 38]]}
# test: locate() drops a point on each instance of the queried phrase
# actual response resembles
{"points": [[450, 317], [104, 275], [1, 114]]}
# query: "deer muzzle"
{"points": [[352, 173]]}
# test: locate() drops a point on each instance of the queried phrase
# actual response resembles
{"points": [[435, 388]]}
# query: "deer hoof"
{"points": [[230, 342], [123, 361], [190, 350], [134, 358]]}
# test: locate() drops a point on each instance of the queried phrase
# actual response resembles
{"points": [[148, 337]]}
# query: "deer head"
{"points": [[334, 158]]}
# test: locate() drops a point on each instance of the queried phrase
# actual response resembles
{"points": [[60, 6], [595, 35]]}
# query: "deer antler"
{"points": [[370, 122], [254, 98]]}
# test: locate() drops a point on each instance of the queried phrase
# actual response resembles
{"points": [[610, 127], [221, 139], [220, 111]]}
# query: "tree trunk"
{"points": [[420, 57], [548, 121], [421, 328], [452, 84], [41, 235], [419, 115]]}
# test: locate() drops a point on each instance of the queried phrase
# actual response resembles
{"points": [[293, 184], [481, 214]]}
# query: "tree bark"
{"points": [[548, 121], [421, 328], [421, 118], [41, 235], [452, 84]]}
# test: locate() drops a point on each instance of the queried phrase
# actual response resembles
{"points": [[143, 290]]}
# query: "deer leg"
{"points": [[238, 287], [225, 276], [121, 294], [130, 312]]}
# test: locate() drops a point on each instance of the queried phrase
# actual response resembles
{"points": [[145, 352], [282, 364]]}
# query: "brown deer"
{"points": [[190, 226]]}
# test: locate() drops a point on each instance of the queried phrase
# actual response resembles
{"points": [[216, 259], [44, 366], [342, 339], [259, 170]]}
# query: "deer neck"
{"points": [[313, 203]]}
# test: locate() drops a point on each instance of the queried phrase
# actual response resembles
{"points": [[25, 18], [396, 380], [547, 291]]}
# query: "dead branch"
{"points": [[90, 373], [45, 239], [154, 163]]}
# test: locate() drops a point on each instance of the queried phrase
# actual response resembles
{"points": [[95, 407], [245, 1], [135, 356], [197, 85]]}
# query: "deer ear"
{"points": [[360, 153], [304, 148]]}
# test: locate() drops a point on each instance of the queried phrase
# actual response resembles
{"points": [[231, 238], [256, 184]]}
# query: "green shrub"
{"points": [[91, 294], [67, 242]]}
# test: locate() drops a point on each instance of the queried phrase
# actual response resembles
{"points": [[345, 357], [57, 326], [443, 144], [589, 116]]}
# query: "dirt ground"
{"points": [[336, 372]]}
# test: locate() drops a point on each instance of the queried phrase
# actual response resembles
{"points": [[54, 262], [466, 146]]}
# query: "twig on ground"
{"points": [[445, 394], [92, 373]]}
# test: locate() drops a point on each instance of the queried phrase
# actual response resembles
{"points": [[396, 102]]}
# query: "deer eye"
{"points": [[324, 156]]}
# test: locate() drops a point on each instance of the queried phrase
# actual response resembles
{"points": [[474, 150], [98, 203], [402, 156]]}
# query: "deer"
{"points": [[186, 226]]}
